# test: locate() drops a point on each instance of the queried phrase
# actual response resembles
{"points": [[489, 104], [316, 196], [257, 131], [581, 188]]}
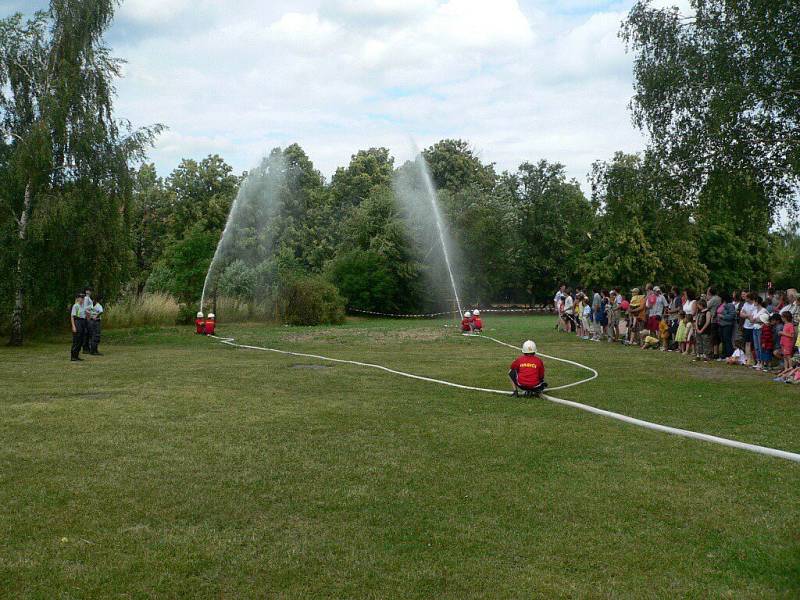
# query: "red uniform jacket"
{"points": [[477, 323], [530, 370], [200, 326], [211, 325], [466, 324]]}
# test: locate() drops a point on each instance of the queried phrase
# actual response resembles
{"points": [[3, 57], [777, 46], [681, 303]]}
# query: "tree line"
{"points": [[716, 92]]}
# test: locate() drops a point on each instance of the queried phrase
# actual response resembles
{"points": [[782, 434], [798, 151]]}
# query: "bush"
{"points": [[364, 279], [147, 309], [310, 301]]}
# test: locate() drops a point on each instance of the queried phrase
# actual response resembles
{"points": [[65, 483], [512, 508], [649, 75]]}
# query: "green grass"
{"points": [[174, 466]]}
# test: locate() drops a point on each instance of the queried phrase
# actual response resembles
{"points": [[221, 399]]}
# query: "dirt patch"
{"points": [[375, 336]]}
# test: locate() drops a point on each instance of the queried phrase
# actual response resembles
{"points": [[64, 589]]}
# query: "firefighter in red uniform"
{"points": [[211, 324], [466, 323], [200, 324], [527, 372], [477, 324]]}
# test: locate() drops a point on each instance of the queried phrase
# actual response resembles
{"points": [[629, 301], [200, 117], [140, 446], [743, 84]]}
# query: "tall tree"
{"points": [[455, 166], [203, 192], [367, 170], [56, 113], [152, 203], [552, 217], [718, 89]]}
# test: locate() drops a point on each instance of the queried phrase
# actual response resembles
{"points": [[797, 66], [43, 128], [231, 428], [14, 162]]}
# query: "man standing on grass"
{"points": [[77, 319], [93, 319], [88, 304]]}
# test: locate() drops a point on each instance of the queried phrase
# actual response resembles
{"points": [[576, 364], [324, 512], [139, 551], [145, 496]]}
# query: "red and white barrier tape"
{"points": [[439, 314]]}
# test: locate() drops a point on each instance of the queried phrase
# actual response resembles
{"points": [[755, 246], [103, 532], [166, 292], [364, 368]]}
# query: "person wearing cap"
{"points": [[477, 324], [200, 324], [94, 318], [655, 311], [527, 371], [211, 324], [466, 323], [636, 312], [77, 318]]}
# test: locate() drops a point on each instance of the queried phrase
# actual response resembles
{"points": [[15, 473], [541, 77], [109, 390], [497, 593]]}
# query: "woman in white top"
{"points": [[747, 328], [690, 306]]}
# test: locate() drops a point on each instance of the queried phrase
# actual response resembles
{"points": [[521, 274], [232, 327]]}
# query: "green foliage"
{"points": [[785, 263], [202, 192], [366, 281], [454, 166], [310, 300], [639, 235], [60, 138], [551, 218], [368, 169], [375, 232], [151, 206], [717, 90], [182, 269]]}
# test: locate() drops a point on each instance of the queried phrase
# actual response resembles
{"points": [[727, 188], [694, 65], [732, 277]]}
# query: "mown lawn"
{"points": [[174, 466]]}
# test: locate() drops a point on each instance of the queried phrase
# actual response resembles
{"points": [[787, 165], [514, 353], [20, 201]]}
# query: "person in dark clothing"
{"points": [[94, 318], [88, 303], [77, 319]]}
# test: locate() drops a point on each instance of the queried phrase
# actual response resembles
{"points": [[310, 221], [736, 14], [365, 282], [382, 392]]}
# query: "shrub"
{"points": [[310, 300], [146, 309], [364, 279]]}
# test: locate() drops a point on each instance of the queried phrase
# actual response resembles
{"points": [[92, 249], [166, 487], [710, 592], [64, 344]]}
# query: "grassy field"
{"points": [[174, 466]]}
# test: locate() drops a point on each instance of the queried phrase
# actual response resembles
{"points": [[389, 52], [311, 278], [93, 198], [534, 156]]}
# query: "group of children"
{"points": [[742, 329], [472, 323], [205, 326]]}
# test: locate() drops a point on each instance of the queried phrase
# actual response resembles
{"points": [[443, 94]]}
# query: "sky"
{"points": [[520, 80]]}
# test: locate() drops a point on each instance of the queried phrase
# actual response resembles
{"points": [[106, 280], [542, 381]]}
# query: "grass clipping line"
{"points": [[585, 407]]}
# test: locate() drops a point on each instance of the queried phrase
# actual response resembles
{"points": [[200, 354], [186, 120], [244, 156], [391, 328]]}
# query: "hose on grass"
{"points": [[795, 457]]}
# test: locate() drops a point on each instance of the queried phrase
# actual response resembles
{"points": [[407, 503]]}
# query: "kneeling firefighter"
{"points": [[527, 371]]}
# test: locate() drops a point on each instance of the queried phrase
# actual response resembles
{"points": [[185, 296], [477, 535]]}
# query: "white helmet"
{"points": [[529, 347], [476, 312], [199, 315], [467, 315], [210, 315]]}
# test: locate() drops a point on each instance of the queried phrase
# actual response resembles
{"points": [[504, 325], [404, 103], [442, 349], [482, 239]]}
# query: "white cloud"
{"points": [[149, 11], [519, 82]]}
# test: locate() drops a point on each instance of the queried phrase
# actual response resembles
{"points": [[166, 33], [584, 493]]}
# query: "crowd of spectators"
{"points": [[739, 327]]}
